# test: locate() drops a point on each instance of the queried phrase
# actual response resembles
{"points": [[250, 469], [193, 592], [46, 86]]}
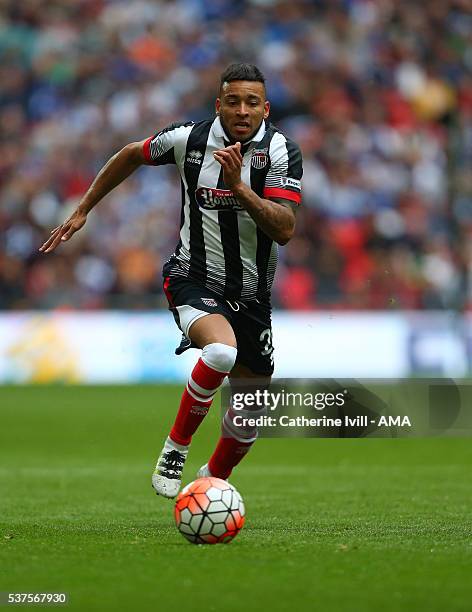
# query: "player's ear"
{"points": [[266, 109], [217, 106]]}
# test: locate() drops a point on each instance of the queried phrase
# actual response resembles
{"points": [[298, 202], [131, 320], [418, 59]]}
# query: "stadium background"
{"points": [[377, 94], [377, 282]]}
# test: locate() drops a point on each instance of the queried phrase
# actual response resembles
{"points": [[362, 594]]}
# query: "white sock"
{"points": [[171, 445]]}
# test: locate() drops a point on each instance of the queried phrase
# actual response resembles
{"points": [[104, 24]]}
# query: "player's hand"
{"points": [[231, 161], [64, 232]]}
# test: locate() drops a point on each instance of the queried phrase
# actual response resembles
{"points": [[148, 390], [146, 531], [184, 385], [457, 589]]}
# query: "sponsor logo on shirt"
{"points": [[290, 182], [260, 158], [216, 199], [195, 157]]}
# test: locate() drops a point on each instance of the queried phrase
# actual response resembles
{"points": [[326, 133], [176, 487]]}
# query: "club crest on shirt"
{"points": [[211, 198], [195, 157], [260, 158]]}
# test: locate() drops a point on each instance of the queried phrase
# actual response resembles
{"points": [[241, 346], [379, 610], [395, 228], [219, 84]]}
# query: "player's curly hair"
{"points": [[241, 72]]}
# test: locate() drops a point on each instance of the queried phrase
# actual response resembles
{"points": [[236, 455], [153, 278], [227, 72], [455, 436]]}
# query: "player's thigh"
{"points": [[200, 314], [212, 328], [253, 329]]}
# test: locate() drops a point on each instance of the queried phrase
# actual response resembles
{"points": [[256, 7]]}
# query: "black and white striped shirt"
{"points": [[220, 245]]}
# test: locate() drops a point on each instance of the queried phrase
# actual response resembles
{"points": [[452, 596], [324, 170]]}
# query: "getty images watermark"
{"points": [[348, 408]]}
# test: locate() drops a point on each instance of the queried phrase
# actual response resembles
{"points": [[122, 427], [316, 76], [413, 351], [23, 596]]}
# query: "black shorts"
{"points": [[250, 320]]}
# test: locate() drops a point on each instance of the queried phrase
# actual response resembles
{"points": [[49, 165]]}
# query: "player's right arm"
{"points": [[165, 147], [119, 167]]}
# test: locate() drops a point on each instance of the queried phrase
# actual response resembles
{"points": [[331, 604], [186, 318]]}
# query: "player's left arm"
{"points": [[274, 214]]}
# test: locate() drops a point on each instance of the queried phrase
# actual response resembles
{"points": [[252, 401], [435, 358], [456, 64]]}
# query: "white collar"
{"points": [[218, 131]]}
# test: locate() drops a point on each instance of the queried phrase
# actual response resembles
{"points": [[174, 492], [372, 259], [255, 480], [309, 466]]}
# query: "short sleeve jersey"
{"points": [[220, 245]]}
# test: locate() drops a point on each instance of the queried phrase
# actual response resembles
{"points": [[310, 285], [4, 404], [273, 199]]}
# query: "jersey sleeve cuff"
{"points": [[147, 150], [286, 194]]}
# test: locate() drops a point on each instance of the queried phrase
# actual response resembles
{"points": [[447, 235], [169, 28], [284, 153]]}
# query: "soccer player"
{"points": [[240, 191]]}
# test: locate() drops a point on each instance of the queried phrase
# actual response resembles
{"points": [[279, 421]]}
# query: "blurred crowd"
{"points": [[378, 93]]}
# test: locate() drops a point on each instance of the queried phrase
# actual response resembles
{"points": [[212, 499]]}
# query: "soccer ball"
{"points": [[209, 511]]}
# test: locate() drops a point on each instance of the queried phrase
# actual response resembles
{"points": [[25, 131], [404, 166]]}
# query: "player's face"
{"points": [[242, 107]]}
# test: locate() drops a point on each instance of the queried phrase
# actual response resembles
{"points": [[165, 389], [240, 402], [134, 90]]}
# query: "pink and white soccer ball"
{"points": [[209, 511]]}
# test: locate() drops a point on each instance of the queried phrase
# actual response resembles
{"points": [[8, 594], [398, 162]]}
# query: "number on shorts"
{"points": [[266, 339]]}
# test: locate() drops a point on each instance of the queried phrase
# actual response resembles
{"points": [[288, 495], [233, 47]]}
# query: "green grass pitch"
{"points": [[373, 524]]}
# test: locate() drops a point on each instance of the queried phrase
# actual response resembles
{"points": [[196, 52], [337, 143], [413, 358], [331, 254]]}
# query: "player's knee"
{"points": [[218, 356]]}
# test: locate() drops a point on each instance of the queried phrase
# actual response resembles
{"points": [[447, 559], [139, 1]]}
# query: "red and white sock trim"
{"points": [[199, 392]]}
